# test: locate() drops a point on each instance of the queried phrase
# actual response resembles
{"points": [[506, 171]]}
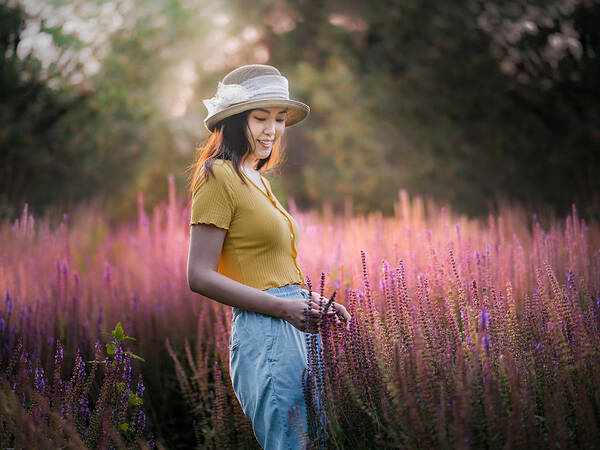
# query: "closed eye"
{"points": [[261, 119]]}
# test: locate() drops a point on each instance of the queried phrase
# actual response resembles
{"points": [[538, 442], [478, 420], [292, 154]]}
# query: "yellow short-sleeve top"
{"points": [[259, 249]]}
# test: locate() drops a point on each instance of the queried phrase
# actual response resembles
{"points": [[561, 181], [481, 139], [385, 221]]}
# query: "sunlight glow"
{"points": [[187, 76], [221, 19], [348, 22], [251, 34], [261, 54], [91, 23]]}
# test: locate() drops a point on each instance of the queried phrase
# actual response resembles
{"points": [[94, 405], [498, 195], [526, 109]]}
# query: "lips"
{"points": [[266, 144]]}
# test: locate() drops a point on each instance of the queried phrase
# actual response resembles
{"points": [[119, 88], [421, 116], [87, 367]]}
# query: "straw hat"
{"points": [[250, 87]]}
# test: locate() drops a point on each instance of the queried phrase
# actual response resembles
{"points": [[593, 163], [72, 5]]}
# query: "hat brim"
{"points": [[296, 111]]}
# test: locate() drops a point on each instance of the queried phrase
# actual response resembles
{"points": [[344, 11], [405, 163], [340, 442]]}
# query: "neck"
{"points": [[248, 165]]}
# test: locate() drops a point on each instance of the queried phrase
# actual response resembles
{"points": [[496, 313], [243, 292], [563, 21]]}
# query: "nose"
{"points": [[269, 127]]}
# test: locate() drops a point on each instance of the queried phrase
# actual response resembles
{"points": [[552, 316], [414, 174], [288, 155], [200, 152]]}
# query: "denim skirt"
{"points": [[266, 359]]}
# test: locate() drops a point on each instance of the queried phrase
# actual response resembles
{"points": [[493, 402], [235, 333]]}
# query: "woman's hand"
{"points": [[335, 309], [295, 314]]}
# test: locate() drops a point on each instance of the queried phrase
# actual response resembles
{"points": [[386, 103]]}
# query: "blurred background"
{"points": [[470, 103]]}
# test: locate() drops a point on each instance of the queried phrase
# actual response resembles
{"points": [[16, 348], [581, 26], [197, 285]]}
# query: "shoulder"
{"points": [[221, 173], [223, 168]]}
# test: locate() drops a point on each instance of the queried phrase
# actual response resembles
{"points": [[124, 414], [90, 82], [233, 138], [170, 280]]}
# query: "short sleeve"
{"points": [[213, 201]]}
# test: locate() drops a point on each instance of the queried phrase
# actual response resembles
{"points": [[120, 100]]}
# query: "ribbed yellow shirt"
{"points": [[261, 241]]}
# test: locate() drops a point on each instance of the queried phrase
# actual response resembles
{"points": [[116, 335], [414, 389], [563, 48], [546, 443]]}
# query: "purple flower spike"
{"points": [[484, 319], [9, 303], [39, 380], [58, 356], [485, 342], [140, 387], [141, 420]]}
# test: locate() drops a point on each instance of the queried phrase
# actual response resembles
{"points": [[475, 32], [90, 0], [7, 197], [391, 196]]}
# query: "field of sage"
{"points": [[465, 333]]}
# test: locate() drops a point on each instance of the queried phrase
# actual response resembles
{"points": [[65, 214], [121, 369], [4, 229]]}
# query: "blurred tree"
{"points": [[96, 101], [467, 102], [61, 142], [35, 162]]}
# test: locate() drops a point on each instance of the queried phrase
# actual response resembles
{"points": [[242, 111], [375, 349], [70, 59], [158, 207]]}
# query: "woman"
{"points": [[243, 250]]}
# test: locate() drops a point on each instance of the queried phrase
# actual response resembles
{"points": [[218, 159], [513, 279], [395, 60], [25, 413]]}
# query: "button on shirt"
{"points": [[260, 247]]}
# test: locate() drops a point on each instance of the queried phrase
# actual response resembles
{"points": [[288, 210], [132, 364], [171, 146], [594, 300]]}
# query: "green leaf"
{"points": [[110, 349], [124, 427], [120, 386], [118, 333], [97, 362], [129, 337], [133, 355], [135, 399]]}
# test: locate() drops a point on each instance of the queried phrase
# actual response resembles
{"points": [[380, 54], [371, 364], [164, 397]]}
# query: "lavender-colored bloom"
{"points": [[79, 367], [107, 271], [151, 442], [9, 303], [127, 370], [84, 406], [58, 356], [39, 379], [485, 342], [570, 279], [484, 319], [141, 420], [140, 387]]}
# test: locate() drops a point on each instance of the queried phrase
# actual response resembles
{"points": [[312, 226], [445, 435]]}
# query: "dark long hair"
{"points": [[229, 141]]}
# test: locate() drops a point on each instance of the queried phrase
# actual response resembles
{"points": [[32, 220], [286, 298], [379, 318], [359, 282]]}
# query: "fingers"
{"points": [[316, 303], [314, 312], [318, 299], [346, 315]]}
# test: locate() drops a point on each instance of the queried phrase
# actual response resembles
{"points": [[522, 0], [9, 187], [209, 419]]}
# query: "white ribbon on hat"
{"points": [[266, 86]]}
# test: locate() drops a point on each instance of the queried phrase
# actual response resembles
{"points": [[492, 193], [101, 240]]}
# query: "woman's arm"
{"points": [[206, 244]]}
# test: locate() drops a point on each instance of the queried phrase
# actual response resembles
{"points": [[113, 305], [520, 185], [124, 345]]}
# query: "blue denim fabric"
{"points": [[266, 360]]}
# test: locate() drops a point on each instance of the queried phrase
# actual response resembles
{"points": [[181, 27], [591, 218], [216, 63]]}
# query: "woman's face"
{"points": [[265, 127]]}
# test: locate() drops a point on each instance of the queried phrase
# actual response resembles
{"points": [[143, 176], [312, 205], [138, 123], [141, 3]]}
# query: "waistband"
{"points": [[288, 291]]}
